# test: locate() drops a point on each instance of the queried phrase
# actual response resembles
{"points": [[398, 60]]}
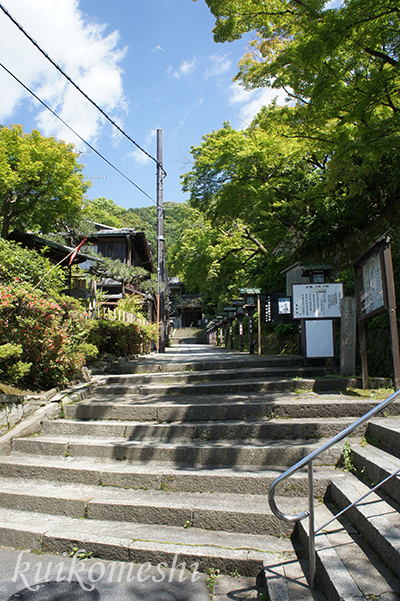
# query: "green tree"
{"points": [[254, 182], [40, 180], [341, 60], [105, 211], [18, 264], [341, 69]]}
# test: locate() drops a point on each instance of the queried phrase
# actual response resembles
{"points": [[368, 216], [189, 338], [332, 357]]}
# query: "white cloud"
{"points": [[252, 101], [140, 157], [220, 64], [83, 49], [188, 66], [185, 68], [158, 47]]}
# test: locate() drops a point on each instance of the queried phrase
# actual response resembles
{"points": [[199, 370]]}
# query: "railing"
{"points": [[308, 461], [117, 315]]}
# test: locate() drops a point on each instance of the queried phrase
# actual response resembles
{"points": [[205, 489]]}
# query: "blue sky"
{"points": [[148, 63]]}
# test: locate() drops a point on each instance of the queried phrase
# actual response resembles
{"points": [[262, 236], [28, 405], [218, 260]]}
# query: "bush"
{"points": [[10, 367], [121, 338], [19, 264], [50, 332], [131, 304]]}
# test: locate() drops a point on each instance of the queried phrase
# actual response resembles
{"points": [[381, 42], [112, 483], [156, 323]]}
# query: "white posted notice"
{"points": [[313, 301]]}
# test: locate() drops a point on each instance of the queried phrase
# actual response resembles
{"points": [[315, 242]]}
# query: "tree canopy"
{"points": [[318, 178], [40, 180]]}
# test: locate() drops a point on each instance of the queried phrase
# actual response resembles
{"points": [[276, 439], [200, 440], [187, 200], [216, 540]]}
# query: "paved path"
{"points": [[73, 580]]}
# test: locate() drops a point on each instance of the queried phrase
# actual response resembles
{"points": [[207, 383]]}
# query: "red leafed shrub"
{"points": [[51, 333]]}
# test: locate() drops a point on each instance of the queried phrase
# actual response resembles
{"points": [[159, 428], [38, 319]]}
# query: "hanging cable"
{"points": [[57, 66], [76, 134]]}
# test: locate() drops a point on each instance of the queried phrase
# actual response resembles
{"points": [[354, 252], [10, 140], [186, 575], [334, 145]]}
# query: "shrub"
{"points": [[116, 337], [28, 266], [50, 333], [121, 338], [131, 304], [10, 367]]}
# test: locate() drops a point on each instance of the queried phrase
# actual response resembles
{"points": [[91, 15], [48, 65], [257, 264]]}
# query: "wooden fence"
{"points": [[118, 315]]}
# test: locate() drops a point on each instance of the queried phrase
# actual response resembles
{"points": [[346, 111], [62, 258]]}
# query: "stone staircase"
{"points": [[358, 553], [174, 457], [192, 335]]}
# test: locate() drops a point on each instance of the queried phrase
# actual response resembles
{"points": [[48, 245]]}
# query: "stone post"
{"points": [[348, 336]]}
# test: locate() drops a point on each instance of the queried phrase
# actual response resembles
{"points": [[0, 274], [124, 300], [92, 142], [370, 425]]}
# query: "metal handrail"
{"points": [[308, 461]]}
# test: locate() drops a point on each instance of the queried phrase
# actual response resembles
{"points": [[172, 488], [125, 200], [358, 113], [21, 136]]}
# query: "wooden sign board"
{"points": [[375, 294], [370, 280]]}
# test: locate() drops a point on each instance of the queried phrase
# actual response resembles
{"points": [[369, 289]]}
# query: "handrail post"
{"points": [[311, 527]]}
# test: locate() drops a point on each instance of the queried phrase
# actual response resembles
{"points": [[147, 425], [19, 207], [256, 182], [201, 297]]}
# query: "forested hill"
{"points": [[177, 218]]}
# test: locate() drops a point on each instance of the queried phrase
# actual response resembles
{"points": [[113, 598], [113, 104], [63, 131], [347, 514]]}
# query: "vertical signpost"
{"points": [[375, 294], [160, 248], [240, 317]]}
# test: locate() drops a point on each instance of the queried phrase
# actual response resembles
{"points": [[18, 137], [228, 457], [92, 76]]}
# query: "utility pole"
{"points": [[160, 248]]}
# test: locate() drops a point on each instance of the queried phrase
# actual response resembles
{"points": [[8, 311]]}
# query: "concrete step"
{"points": [[286, 578], [159, 476], [252, 429], [219, 407], [194, 453], [244, 372], [179, 360], [189, 340], [376, 518], [264, 384], [138, 543], [209, 511], [375, 464], [386, 432], [347, 568]]}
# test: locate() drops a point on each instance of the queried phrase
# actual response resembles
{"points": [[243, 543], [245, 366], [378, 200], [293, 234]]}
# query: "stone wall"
{"points": [[15, 408]]}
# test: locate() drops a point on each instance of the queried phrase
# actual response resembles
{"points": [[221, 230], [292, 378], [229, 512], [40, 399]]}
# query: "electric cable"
{"points": [[57, 66], [74, 132]]}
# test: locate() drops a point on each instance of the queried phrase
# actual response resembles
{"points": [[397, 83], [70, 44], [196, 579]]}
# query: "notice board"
{"points": [[317, 301], [370, 279]]}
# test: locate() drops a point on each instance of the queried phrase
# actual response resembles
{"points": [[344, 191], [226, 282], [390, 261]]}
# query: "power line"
{"points": [[57, 66], [74, 132]]}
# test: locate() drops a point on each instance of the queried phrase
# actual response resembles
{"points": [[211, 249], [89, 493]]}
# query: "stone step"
{"points": [[375, 464], [189, 340], [347, 568], [209, 511], [377, 519], [286, 578], [180, 361], [195, 454], [138, 543], [156, 476], [270, 384], [219, 407], [255, 429], [386, 432], [218, 375]]}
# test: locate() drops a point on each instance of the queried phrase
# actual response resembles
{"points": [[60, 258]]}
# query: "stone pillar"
{"points": [[348, 336]]}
